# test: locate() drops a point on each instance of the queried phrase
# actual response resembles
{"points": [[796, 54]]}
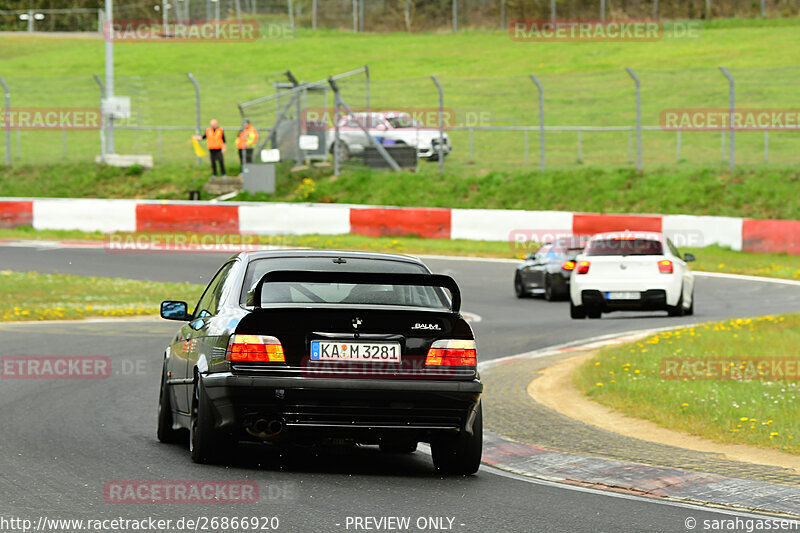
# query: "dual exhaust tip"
{"points": [[266, 428]]}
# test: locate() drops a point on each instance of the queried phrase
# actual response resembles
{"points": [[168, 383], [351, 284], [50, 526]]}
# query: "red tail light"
{"points": [[568, 265], [665, 266], [255, 348], [452, 353], [583, 267]]}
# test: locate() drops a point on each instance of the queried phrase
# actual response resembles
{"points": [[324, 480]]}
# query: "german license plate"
{"points": [[622, 295], [387, 352]]}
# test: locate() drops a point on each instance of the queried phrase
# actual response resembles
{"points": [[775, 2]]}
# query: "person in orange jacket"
{"points": [[215, 141], [245, 142]]}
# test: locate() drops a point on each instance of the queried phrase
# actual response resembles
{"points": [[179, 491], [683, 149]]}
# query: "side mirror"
{"points": [[174, 310], [688, 257]]}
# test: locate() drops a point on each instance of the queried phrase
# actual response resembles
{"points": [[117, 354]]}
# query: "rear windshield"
{"points": [[624, 247], [340, 293], [568, 246]]}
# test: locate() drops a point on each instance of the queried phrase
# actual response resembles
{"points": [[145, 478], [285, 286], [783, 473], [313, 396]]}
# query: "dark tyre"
{"points": [[594, 313], [343, 150], [460, 455], [165, 431], [519, 288], [206, 444], [690, 310], [399, 446], [576, 311], [549, 290], [678, 309]]}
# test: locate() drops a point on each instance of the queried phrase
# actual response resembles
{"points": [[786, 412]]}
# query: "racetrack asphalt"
{"points": [[63, 440]]}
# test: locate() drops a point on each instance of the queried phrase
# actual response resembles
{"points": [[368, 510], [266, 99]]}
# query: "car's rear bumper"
{"points": [[649, 300], [365, 409]]}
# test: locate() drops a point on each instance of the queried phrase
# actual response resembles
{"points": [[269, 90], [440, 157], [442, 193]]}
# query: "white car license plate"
{"points": [[387, 352], [622, 295]]}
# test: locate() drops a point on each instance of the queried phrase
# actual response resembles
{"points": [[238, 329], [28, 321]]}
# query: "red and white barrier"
{"points": [[332, 219]]}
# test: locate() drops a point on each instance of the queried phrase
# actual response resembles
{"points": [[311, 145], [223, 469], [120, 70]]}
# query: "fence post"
{"points": [[503, 15], [630, 145], [541, 120], [361, 16], [731, 131], [638, 119], [336, 139], [290, 6], [553, 11], [602, 10], [355, 16], [198, 120], [655, 10], [455, 15], [708, 9], [102, 119], [7, 120], [314, 8], [763, 9], [366, 73], [440, 147], [408, 16]]}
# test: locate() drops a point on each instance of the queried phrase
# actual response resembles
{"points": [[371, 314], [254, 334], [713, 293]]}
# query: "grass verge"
{"points": [[36, 296], [744, 405]]}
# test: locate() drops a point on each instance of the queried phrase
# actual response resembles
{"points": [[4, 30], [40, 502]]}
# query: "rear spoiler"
{"points": [[361, 278]]}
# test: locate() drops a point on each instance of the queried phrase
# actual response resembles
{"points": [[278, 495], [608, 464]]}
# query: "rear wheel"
{"points": [[460, 455], [690, 310], [678, 309], [549, 290], [206, 444], [519, 288], [165, 431], [576, 311], [341, 150]]}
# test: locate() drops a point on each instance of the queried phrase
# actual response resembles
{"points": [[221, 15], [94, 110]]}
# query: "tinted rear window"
{"points": [[341, 293], [624, 247]]}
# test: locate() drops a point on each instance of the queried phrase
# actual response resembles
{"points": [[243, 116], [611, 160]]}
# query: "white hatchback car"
{"points": [[387, 127], [629, 271]]}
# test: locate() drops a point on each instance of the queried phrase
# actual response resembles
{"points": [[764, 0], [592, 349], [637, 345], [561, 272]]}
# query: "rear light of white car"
{"points": [[255, 348], [452, 353], [583, 267], [665, 266], [568, 266]]}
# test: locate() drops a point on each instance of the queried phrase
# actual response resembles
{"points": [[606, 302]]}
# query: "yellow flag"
{"points": [[198, 150]]}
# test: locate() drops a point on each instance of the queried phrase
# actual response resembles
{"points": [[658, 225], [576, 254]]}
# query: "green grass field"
{"points": [[766, 193], [485, 79], [742, 404], [35, 296]]}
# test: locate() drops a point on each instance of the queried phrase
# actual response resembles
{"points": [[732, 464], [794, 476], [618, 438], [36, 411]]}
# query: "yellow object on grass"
{"points": [[198, 150]]}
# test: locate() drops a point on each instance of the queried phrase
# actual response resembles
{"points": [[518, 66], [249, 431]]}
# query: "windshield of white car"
{"points": [[623, 246], [402, 121]]}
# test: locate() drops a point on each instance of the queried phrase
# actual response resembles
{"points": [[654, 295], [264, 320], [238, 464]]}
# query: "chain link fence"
{"points": [[385, 15], [491, 122]]}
